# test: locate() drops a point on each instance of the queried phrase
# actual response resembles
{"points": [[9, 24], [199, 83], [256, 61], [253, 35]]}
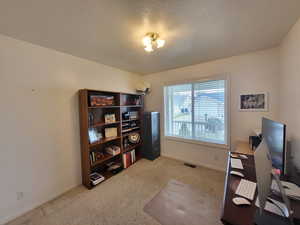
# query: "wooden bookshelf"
{"points": [[92, 117]]}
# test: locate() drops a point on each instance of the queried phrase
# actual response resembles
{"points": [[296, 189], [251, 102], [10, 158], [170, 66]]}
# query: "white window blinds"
{"points": [[197, 111]]}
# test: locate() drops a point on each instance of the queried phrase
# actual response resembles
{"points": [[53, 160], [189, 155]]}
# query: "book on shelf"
{"points": [[133, 115], [102, 100], [95, 156], [113, 150], [129, 158], [114, 167], [96, 178], [133, 156]]}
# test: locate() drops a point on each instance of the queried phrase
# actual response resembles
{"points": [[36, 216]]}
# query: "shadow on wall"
{"points": [[75, 126]]}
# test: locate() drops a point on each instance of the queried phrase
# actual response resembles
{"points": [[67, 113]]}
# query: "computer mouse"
{"points": [[240, 201], [243, 157], [236, 173]]}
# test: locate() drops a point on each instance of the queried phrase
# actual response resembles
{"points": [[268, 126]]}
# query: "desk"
{"points": [[243, 147], [243, 215]]}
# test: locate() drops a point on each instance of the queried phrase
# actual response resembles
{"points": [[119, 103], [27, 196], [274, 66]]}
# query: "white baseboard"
{"points": [[209, 166]]}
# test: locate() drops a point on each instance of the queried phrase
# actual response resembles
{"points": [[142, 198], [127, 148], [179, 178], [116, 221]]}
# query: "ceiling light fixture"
{"points": [[152, 39]]}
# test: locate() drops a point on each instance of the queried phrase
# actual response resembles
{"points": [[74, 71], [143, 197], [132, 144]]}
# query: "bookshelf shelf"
{"points": [[129, 132], [124, 132], [124, 121], [105, 158], [107, 174], [131, 106], [104, 107], [104, 140], [104, 124], [92, 117], [131, 147]]}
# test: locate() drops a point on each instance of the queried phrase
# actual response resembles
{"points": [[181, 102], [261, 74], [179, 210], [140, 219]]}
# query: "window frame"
{"points": [[227, 144]]}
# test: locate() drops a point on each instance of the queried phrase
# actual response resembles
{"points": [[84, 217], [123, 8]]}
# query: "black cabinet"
{"points": [[151, 135]]}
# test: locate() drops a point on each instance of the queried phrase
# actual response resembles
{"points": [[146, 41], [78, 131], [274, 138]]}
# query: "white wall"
{"points": [[253, 72], [39, 133], [290, 90]]}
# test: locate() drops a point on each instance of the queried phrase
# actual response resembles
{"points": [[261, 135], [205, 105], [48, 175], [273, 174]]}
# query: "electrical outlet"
{"points": [[20, 195]]}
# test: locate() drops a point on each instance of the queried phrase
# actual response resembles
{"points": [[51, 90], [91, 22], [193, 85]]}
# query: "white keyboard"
{"points": [[246, 189]]}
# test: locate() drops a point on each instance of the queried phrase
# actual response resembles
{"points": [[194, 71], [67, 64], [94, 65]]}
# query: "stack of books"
{"points": [[134, 115], [129, 158], [114, 167], [96, 178], [113, 150]]}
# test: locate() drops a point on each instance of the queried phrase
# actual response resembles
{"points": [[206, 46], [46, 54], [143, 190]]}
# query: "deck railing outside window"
{"points": [[196, 111]]}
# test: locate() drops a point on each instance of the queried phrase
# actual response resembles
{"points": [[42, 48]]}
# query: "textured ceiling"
{"points": [[110, 31]]}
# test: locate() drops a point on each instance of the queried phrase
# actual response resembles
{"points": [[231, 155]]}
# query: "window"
{"points": [[197, 111]]}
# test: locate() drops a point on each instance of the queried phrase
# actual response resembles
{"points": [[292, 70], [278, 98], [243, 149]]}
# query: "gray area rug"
{"points": [[181, 204]]}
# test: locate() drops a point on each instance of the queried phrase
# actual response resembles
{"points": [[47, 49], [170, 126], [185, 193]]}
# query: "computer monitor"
{"points": [[274, 134], [263, 169], [264, 175]]}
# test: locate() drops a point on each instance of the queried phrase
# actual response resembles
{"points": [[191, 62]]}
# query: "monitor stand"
{"points": [[262, 217], [267, 218]]}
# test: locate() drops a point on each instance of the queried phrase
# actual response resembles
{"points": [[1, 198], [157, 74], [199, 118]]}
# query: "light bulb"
{"points": [[160, 43], [147, 41], [149, 48]]}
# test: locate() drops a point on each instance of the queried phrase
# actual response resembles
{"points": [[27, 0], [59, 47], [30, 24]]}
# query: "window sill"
{"points": [[197, 142]]}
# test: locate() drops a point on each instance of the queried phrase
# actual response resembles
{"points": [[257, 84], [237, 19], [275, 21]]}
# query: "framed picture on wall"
{"points": [[257, 102]]}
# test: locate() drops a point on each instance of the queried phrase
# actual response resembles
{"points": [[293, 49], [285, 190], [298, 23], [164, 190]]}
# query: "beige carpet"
{"points": [[121, 199]]}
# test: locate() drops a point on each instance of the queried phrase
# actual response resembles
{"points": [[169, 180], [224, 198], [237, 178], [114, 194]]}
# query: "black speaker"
{"points": [[151, 135]]}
